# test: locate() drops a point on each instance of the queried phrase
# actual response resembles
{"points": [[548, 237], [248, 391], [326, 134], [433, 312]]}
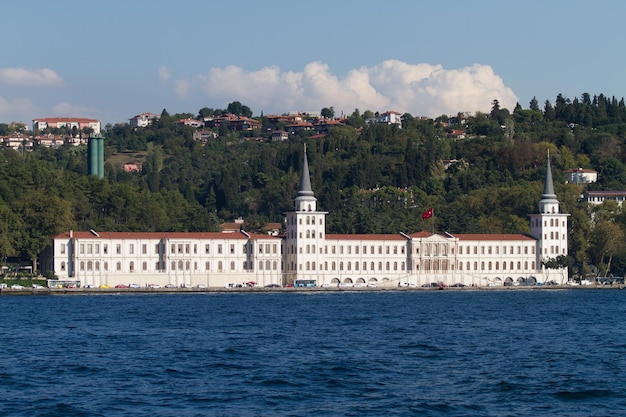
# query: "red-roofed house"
{"points": [[69, 122]]}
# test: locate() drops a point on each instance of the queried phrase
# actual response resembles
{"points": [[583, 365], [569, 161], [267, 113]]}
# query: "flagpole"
{"points": [[432, 220]]}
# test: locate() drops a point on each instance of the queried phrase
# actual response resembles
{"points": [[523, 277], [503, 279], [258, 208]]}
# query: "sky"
{"points": [[111, 60]]}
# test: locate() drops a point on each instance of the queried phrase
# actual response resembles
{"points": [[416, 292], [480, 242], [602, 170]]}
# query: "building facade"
{"points": [[69, 122], [305, 253]]}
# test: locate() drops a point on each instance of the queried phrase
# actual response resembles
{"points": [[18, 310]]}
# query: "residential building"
{"points": [[581, 176], [69, 122], [599, 197], [143, 120]]}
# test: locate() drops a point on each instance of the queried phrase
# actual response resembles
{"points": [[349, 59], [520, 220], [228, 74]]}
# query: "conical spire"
{"points": [[548, 186], [305, 180]]}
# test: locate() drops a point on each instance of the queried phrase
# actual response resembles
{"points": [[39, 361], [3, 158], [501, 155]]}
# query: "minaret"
{"points": [[306, 230], [549, 227]]}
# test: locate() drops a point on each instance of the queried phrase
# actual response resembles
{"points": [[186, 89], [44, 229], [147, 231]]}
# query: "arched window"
{"points": [[232, 265], [267, 265], [341, 266], [380, 266], [372, 266], [308, 220], [349, 266], [308, 266], [89, 265], [131, 266], [82, 265], [386, 266], [313, 266], [144, 266], [260, 265]]}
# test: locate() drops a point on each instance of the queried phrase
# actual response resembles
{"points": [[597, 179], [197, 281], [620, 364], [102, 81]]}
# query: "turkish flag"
{"points": [[427, 214]]}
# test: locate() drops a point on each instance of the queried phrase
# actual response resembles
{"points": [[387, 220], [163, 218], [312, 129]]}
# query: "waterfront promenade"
{"points": [[103, 291]]}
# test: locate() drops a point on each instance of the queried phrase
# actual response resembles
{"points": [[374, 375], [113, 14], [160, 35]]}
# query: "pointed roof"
{"points": [[548, 186], [305, 180]]}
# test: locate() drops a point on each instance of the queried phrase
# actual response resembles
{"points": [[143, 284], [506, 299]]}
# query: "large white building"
{"points": [[69, 122], [306, 255]]}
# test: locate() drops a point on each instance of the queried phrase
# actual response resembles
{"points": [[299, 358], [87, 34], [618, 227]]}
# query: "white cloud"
{"points": [[419, 89], [181, 88], [164, 74], [42, 77]]}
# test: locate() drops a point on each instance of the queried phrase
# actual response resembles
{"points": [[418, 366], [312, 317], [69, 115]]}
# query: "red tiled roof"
{"points": [[390, 236], [495, 236], [161, 235]]}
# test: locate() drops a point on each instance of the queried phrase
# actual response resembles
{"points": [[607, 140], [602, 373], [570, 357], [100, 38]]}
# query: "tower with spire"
{"points": [[549, 226], [304, 241]]}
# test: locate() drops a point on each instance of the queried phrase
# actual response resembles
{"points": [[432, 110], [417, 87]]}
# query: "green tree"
{"points": [[328, 112]]}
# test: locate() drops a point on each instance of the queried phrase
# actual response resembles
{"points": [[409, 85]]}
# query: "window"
{"points": [[62, 248], [187, 248], [207, 248], [118, 249], [82, 265], [156, 248], [62, 266], [89, 248], [81, 249], [219, 251], [144, 265], [105, 248], [131, 249], [118, 266]]}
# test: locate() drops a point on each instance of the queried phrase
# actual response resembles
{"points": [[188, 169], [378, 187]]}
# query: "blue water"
{"points": [[439, 353]]}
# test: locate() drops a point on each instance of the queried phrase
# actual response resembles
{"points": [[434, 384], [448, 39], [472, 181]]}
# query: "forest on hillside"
{"points": [[371, 178]]}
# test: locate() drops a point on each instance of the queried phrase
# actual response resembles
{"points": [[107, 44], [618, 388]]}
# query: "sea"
{"points": [[315, 353]]}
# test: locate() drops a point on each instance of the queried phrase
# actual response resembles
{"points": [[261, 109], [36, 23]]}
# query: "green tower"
{"points": [[95, 155]]}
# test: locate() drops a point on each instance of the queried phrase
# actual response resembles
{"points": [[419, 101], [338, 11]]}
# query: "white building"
{"points": [[306, 255], [599, 197], [143, 120], [181, 259], [69, 122], [581, 176]]}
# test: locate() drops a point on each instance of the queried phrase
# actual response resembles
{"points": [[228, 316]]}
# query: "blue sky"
{"points": [[111, 60]]}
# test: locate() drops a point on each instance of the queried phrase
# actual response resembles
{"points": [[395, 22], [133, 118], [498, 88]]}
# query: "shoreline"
{"points": [[102, 291]]}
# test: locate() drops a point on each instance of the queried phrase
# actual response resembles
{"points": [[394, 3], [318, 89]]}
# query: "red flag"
{"points": [[427, 214]]}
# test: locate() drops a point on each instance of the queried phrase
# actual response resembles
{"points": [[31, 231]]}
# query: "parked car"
{"points": [[134, 286], [154, 286], [17, 287], [121, 286], [170, 286], [201, 286], [38, 287]]}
